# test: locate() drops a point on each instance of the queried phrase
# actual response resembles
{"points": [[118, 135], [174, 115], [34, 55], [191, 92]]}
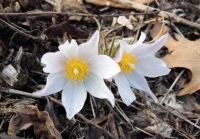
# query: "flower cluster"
{"points": [[78, 69]]}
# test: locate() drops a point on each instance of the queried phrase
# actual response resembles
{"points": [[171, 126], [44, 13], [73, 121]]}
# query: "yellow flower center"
{"points": [[127, 63], [76, 70]]}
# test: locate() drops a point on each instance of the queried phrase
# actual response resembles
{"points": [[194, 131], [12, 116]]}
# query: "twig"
{"points": [[144, 131], [40, 73], [181, 117], [42, 37], [85, 119], [154, 117], [17, 92], [175, 81], [142, 8], [50, 14], [162, 107]]}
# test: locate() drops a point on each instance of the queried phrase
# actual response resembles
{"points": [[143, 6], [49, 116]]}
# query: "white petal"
{"points": [[73, 98], [124, 89], [152, 67], [69, 49], [128, 48], [148, 49], [118, 55], [103, 66], [54, 62], [90, 48], [139, 82], [55, 83], [64, 47], [96, 87]]}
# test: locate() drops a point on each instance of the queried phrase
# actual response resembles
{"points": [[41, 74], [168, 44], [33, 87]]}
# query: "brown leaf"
{"points": [[107, 3], [112, 126], [112, 3], [14, 105], [90, 132], [183, 53], [59, 30], [66, 6], [30, 115]]}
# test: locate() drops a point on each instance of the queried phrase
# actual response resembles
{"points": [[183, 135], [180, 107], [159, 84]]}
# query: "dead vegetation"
{"points": [[30, 28]]}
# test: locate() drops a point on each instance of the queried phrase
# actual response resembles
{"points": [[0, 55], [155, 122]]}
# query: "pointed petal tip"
{"points": [[95, 36], [69, 116], [112, 101], [96, 32], [128, 102], [143, 36], [73, 98], [40, 92]]}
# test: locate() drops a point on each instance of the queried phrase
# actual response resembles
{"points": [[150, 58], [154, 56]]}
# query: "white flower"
{"points": [[76, 70], [137, 61]]}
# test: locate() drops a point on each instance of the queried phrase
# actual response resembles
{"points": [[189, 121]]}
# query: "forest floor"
{"points": [[31, 28]]}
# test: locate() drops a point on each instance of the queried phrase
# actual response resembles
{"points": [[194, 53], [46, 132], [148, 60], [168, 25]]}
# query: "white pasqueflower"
{"points": [[137, 61], [76, 70]]}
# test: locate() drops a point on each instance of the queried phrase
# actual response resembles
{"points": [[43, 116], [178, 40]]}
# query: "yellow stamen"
{"points": [[127, 63], [76, 70]]}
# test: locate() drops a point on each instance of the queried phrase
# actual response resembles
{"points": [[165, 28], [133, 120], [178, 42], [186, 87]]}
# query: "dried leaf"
{"points": [[14, 105], [90, 132], [171, 101], [140, 120], [10, 75], [67, 5], [160, 128], [112, 126], [124, 21], [107, 3], [61, 29], [183, 53], [112, 3], [30, 115]]}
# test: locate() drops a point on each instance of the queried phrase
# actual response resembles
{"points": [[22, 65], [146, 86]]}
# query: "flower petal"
{"points": [[54, 62], [118, 55], [69, 49], [90, 48], [124, 89], [96, 87], [55, 83], [148, 49], [127, 48], [103, 66], [73, 98], [152, 67], [139, 82]]}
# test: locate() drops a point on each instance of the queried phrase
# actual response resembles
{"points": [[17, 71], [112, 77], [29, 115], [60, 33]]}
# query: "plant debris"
{"points": [[31, 28]]}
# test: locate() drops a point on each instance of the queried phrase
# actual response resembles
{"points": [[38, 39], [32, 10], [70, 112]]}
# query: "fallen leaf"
{"points": [[124, 21], [171, 101], [183, 53], [107, 3], [14, 105], [160, 128], [112, 126], [30, 115], [61, 29], [112, 3], [68, 6], [90, 132]]}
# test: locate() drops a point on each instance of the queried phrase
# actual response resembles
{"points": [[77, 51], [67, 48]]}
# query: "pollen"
{"points": [[127, 63], [76, 70]]}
